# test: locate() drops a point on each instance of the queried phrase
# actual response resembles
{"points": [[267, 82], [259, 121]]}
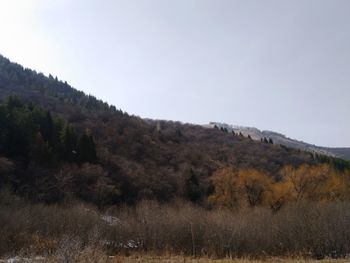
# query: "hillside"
{"points": [[136, 158], [341, 152], [279, 138]]}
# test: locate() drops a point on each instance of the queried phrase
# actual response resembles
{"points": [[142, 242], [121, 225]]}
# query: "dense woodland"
{"points": [[59, 145]]}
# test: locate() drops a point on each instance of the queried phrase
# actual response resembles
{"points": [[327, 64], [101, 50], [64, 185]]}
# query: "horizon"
{"points": [[285, 71]]}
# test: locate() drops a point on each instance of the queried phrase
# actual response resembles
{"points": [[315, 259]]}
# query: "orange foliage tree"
{"points": [[226, 192], [315, 183], [278, 195], [254, 185], [249, 187], [234, 189]]}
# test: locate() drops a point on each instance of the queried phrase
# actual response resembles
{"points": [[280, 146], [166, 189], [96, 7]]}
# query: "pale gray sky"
{"points": [[273, 64]]}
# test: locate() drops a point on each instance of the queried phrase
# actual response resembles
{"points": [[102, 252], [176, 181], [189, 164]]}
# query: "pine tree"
{"points": [[3, 126], [47, 127], [41, 153], [69, 144], [13, 102], [192, 187], [86, 149]]}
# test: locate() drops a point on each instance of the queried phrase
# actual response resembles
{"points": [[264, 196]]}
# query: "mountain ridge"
{"points": [[279, 138]]}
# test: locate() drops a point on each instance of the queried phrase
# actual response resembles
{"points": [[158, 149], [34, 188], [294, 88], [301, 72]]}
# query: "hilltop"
{"points": [[282, 139]]}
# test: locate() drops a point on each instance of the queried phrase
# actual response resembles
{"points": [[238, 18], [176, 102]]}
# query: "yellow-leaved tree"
{"points": [[249, 187], [280, 193], [234, 189], [226, 192], [314, 183], [254, 186]]}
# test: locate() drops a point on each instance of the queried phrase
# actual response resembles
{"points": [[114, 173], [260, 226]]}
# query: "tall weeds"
{"points": [[309, 229]]}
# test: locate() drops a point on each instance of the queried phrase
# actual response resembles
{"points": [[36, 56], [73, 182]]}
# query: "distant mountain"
{"points": [[279, 138], [342, 152]]}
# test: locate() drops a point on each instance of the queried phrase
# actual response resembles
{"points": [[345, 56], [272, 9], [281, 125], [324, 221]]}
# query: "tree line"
{"points": [[35, 148], [28, 131]]}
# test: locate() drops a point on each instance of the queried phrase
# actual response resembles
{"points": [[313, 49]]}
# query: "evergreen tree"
{"points": [[47, 127], [192, 187], [20, 128], [13, 102], [41, 153], [178, 133], [3, 126], [58, 126], [69, 144], [86, 149]]}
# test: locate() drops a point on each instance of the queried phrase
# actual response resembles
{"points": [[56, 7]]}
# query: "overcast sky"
{"points": [[276, 65]]}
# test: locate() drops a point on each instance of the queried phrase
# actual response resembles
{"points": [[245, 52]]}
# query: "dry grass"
{"points": [[181, 259], [78, 234], [95, 256]]}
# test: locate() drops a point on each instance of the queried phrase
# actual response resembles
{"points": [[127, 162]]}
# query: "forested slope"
{"points": [[135, 158]]}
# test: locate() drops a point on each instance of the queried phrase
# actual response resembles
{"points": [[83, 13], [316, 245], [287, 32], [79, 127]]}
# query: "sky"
{"points": [[280, 65]]}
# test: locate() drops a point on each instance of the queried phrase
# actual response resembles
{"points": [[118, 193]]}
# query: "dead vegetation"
{"points": [[308, 230]]}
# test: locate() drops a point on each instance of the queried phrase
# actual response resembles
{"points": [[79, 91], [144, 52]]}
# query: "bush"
{"points": [[298, 229]]}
